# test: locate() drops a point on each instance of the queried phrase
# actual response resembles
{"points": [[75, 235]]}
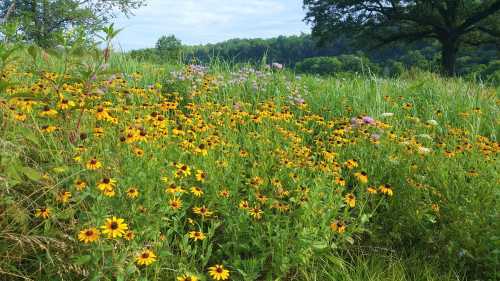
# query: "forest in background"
{"points": [[302, 53]]}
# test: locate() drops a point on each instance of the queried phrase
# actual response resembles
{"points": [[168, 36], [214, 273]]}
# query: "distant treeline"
{"points": [[304, 55]]}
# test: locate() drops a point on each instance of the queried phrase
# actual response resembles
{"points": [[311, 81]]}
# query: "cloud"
{"points": [[209, 21]]}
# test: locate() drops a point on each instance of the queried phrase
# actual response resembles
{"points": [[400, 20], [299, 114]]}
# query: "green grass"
{"points": [[278, 141]]}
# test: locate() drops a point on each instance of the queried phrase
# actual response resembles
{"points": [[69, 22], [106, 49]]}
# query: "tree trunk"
{"points": [[449, 56]]}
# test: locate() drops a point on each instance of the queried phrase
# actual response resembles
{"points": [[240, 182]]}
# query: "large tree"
{"points": [[41, 20], [454, 23]]}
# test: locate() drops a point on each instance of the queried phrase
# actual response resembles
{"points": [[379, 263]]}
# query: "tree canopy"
{"points": [[453, 23], [41, 21]]}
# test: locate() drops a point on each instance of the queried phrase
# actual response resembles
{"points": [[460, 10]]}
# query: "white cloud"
{"points": [[203, 21]]}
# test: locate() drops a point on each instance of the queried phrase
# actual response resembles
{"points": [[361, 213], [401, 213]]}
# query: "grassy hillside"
{"points": [[116, 170]]}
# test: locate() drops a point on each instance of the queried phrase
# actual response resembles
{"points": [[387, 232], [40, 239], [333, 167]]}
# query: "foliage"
{"points": [[169, 48], [453, 23], [44, 21], [354, 163], [342, 63]]}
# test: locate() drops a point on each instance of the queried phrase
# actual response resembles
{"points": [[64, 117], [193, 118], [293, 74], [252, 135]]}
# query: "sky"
{"points": [[210, 21]]}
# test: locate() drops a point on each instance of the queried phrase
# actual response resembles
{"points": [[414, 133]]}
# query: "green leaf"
{"points": [[31, 173], [81, 260], [319, 245], [33, 51]]}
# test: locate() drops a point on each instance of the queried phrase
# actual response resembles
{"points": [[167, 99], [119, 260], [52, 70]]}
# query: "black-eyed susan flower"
{"points": [[138, 152], [64, 197], [197, 235], [340, 181], [48, 112], [89, 235], [351, 163], [93, 164], [48, 128], [106, 183], [201, 176], [350, 200], [218, 272], [338, 226], [386, 189], [129, 235], [109, 191], [114, 227], [202, 211], [255, 212], [371, 190], [362, 177], [196, 191], [175, 203], [224, 193], [244, 204], [80, 184], [145, 257], [187, 277], [132, 193], [43, 213]]}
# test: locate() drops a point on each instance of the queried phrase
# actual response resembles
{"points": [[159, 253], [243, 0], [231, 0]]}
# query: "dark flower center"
{"points": [[114, 225]]}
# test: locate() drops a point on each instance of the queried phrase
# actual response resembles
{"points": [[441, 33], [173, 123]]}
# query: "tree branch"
{"points": [[477, 17]]}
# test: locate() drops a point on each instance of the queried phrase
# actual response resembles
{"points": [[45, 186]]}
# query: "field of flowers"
{"points": [[111, 169]]}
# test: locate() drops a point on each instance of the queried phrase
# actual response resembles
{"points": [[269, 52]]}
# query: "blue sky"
{"points": [[210, 21]]}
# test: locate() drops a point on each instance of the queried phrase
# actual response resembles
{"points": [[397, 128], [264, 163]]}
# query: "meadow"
{"points": [[116, 169]]}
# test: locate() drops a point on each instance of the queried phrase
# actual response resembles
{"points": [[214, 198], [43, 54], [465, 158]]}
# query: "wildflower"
{"points": [[64, 197], [197, 235], [89, 235], [244, 204], [182, 170], [187, 277], [129, 235], [338, 226], [173, 188], [368, 120], [132, 193], [109, 191], [202, 211], [361, 176], [48, 128], [106, 183], [386, 189], [20, 116], [196, 191], [175, 203], [340, 181], [114, 227], [138, 152], [65, 104], [93, 164], [256, 213], [218, 272], [224, 193], [146, 257], [350, 200], [371, 190], [201, 176], [351, 164], [80, 184], [43, 213]]}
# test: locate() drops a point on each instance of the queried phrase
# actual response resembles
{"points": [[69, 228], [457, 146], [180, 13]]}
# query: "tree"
{"points": [[454, 23], [42, 20], [169, 47]]}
